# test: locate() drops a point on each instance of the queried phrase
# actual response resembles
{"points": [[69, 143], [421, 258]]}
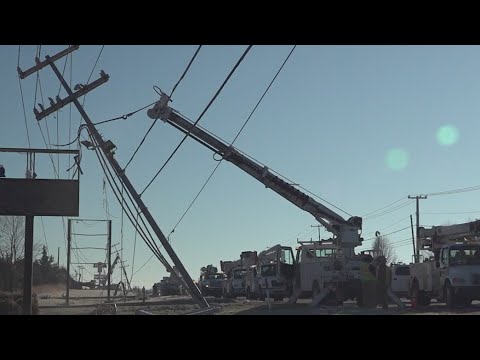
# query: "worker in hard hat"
{"points": [[382, 281]]}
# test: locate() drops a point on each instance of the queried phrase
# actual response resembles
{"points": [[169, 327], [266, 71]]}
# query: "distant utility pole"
{"points": [[413, 237], [317, 226], [58, 258], [418, 197]]}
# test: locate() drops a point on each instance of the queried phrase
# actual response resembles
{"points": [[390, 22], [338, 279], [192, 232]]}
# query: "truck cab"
{"points": [[211, 284], [234, 284], [451, 276], [322, 265]]}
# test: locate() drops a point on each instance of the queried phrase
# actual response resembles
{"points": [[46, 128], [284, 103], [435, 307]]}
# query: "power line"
{"points": [[155, 121], [186, 70], [398, 207], [94, 66], [373, 212], [395, 223], [393, 232], [238, 134], [450, 213], [141, 267], [200, 117], [454, 191], [147, 239], [124, 117]]}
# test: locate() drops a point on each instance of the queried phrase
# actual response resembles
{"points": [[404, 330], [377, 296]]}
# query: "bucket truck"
{"points": [[211, 281], [272, 275], [452, 274], [234, 284], [321, 269]]}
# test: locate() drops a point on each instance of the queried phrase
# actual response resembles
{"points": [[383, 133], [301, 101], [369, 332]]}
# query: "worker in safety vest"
{"points": [[368, 282]]}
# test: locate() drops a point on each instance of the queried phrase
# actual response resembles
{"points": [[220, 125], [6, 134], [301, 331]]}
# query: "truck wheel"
{"points": [[449, 295]]}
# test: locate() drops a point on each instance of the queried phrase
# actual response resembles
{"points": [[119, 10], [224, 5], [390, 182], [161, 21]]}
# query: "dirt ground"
{"points": [[52, 301]]}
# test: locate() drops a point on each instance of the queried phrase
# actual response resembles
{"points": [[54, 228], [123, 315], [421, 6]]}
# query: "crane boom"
{"points": [[347, 231], [437, 236]]}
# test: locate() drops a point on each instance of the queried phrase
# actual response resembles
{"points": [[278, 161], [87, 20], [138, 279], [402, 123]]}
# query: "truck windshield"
{"points": [[214, 277], [465, 256], [239, 274], [268, 270]]}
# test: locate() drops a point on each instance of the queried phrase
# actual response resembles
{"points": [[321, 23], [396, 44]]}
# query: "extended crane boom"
{"points": [[346, 231]]}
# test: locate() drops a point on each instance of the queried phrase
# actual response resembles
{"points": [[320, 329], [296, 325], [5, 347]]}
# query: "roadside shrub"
{"points": [[11, 303]]}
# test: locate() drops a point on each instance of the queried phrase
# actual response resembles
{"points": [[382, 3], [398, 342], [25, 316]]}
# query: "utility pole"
{"points": [[28, 270], [317, 226], [69, 240], [58, 258], [418, 197], [107, 147], [109, 249], [413, 238]]}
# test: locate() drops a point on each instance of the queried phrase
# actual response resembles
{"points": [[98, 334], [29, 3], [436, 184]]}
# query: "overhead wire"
{"points": [[200, 117], [142, 232], [235, 138], [451, 213], [398, 207], [155, 121], [393, 232], [384, 207], [386, 227]]}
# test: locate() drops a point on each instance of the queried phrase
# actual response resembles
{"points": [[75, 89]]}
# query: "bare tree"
{"points": [[382, 246], [12, 239]]}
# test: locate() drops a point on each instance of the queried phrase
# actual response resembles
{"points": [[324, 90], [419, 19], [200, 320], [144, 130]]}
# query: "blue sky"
{"points": [[329, 123]]}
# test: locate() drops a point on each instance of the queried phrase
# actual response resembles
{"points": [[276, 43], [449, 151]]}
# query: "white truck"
{"points": [[400, 281], [314, 273], [326, 274], [235, 271], [452, 274], [272, 275]]}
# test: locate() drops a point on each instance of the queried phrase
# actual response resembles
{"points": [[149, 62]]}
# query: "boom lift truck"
{"points": [[321, 269], [273, 272], [211, 281], [452, 274]]}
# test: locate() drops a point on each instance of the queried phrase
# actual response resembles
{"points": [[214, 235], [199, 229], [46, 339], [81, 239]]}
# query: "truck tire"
{"points": [[449, 295]]}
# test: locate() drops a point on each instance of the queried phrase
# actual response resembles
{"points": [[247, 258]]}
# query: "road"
{"points": [[82, 304]]}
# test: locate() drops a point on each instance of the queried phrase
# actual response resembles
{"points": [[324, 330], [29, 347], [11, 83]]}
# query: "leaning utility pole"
{"points": [[418, 197], [107, 148]]}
